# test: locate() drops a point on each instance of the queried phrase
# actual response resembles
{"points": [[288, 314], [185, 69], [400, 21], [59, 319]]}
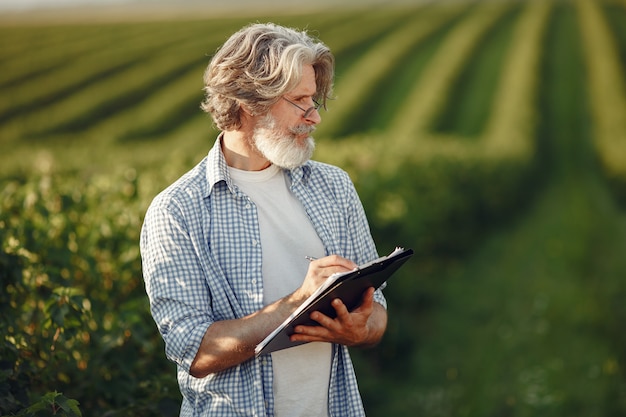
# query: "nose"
{"points": [[314, 117]]}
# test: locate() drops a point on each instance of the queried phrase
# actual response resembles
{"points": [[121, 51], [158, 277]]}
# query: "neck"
{"points": [[240, 153]]}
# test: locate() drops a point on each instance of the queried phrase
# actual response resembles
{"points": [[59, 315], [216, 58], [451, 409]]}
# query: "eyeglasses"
{"points": [[307, 112]]}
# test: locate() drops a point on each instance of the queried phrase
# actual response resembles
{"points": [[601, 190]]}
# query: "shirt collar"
{"points": [[217, 169], [300, 175]]}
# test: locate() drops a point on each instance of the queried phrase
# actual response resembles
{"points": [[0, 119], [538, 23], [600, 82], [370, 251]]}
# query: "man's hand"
{"points": [[364, 326], [319, 270]]}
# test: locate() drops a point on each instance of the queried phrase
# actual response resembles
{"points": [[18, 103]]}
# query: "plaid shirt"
{"points": [[201, 254]]}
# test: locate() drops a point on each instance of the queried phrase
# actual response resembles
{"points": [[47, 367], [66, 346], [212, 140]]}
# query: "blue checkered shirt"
{"points": [[201, 254]]}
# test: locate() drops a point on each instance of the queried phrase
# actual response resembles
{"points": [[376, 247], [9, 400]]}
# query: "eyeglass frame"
{"points": [[307, 112]]}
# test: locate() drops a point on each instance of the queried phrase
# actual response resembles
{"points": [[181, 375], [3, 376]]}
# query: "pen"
{"points": [[310, 258]]}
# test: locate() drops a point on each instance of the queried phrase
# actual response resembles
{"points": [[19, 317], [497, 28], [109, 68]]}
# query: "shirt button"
{"points": [[254, 281], [255, 242]]}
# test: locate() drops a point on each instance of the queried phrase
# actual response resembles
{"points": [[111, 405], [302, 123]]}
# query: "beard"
{"points": [[283, 148]]}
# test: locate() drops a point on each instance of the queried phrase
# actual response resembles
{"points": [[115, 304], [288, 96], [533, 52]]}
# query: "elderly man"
{"points": [[224, 248]]}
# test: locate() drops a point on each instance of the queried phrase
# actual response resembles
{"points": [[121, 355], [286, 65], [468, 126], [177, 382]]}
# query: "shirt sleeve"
{"points": [[175, 283]]}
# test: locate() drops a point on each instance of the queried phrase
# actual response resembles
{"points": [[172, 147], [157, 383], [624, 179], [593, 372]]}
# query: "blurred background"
{"points": [[489, 136]]}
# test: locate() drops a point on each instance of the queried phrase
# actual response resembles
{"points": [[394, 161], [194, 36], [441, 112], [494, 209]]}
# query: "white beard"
{"points": [[283, 148]]}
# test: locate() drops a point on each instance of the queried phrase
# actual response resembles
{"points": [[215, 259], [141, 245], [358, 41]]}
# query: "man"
{"points": [[224, 248]]}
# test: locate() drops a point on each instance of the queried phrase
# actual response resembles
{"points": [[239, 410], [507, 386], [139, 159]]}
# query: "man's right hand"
{"points": [[319, 270]]}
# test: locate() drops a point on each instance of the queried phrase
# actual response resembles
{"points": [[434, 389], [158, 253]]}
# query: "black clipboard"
{"points": [[347, 286]]}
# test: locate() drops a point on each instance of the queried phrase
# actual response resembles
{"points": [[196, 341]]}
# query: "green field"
{"points": [[488, 136]]}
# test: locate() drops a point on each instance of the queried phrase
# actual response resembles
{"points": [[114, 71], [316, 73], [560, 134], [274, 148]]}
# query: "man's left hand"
{"points": [[363, 326]]}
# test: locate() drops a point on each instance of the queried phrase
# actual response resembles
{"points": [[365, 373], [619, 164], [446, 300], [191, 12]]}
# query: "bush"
{"points": [[75, 318]]}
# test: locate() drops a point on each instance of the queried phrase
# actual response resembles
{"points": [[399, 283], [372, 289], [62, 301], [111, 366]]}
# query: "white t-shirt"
{"points": [[301, 373]]}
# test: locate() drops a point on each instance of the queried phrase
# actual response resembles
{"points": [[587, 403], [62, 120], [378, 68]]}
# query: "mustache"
{"points": [[302, 129]]}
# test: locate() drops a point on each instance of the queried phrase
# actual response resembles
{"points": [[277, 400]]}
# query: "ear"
{"points": [[247, 119]]}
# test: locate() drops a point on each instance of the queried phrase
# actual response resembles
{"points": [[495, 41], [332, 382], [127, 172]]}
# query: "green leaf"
{"points": [[69, 406]]}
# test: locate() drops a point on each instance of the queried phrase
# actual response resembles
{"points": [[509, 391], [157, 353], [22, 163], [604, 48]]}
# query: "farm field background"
{"points": [[488, 136]]}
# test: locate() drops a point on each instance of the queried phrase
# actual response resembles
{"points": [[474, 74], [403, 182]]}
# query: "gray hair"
{"points": [[259, 64]]}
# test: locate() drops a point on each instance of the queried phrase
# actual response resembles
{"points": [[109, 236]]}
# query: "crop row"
{"points": [[377, 64], [421, 185], [96, 86], [147, 87], [607, 89], [150, 88], [78, 61], [474, 88], [176, 103], [100, 84]]}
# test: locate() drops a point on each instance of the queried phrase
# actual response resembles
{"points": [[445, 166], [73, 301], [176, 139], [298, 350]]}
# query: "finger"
{"points": [[297, 337], [335, 261], [310, 334], [323, 320], [324, 272], [340, 308]]}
